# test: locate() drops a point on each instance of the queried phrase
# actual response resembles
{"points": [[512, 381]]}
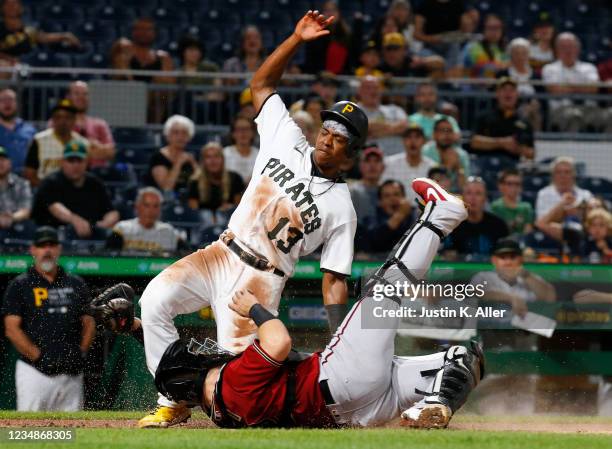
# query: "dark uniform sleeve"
{"points": [[84, 296], [31, 160], [12, 303]]}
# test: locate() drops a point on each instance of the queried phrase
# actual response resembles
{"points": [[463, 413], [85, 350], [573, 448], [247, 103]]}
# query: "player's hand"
{"points": [[242, 301], [312, 26]]}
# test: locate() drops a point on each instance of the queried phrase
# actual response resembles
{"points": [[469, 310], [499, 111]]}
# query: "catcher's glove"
{"points": [[114, 308]]}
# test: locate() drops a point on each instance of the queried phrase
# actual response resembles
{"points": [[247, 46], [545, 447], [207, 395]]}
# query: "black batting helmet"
{"points": [[351, 116]]}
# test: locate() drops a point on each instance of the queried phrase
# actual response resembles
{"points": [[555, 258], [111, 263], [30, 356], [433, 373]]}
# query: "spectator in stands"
{"points": [[477, 235], [171, 167], [519, 69], [326, 86], [46, 151], [588, 238], [141, 55], [523, 74], [386, 24], [214, 187], [15, 194], [307, 125], [398, 62], [517, 214], [426, 99], [597, 247], [392, 219], [562, 186], [483, 59], [146, 233], [511, 283], [240, 156], [387, 122], [191, 54], [144, 56], [440, 175], [18, 39], [364, 192], [73, 197], [442, 150], [369, 60], [401, 12], [541, 51], [95, 130], [313, 104], [442, 26], [119, 56], [251, 53], [503, 133], [568, 75], [324, 89], [15, 133], [411, 164], [331, 53], [46, 318]]}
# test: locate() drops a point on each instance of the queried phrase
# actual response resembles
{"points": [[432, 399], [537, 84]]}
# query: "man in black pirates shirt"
{"points": [[46, 318]]}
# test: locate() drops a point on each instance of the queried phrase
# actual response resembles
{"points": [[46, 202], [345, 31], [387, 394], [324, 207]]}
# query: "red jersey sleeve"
{"points": [[254, 386], [252, 370]]}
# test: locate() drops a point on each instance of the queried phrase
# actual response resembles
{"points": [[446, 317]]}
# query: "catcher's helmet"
{"points": [[351, 116], [182, 369]]}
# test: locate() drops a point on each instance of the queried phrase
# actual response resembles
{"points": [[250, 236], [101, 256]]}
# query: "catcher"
{"points": [[357, 380]]}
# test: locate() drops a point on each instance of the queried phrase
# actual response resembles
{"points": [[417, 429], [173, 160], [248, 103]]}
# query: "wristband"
{"points": [[260, 315]]}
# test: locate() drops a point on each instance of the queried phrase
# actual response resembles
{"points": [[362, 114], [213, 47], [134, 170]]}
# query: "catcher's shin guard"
{"points": [[462, 370]]}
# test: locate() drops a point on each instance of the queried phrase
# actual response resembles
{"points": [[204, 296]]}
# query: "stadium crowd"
{"points": [[74, 175]]}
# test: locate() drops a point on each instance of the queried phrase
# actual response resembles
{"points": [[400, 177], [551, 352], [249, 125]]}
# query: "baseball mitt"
{"points": [[114, 308]]}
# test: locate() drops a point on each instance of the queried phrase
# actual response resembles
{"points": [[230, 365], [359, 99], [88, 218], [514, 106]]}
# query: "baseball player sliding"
{"points": [[296, 201], [357, 380]]}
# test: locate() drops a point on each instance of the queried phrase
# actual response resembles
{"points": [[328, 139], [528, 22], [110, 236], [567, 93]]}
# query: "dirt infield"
{"points": [[565, 425]]}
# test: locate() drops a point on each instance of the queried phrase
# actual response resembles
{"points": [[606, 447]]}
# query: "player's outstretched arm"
{"points": [[312, 26], [273, 335]]}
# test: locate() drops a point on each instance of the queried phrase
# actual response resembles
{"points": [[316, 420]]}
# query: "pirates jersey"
{"points": [[289, 209]]}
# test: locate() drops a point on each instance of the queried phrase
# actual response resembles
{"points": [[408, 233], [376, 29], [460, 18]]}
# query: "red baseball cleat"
{"points": [[429, 190]]}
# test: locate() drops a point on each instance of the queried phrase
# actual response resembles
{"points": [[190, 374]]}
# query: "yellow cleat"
{"points": [[165, 417]]}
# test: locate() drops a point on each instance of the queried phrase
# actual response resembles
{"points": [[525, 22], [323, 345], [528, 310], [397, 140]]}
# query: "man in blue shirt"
{"points": [[15, 134]]}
